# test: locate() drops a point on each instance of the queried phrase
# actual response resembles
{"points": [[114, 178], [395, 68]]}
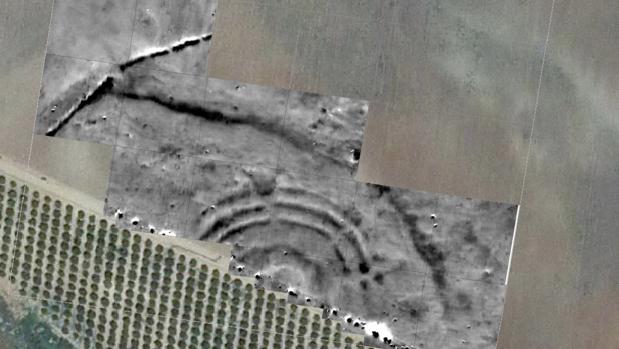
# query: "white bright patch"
{"points": [[365, 108], [351, 158], [382, 329], [167, 233], [150, 51], [511, 250]]}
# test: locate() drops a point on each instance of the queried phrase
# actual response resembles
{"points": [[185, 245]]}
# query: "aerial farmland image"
{"points": [[233, 216], [271, 173], [309, 174]]}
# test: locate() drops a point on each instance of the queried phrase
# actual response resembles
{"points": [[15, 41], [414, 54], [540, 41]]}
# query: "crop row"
{"points": [[112, 288]]}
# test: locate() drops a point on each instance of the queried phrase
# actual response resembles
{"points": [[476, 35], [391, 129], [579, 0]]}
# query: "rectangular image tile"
{"points": [[384, 304], [164, 23], [461, 244], [477, 235], [157, 107], [338, 54], [148, 190], [381, 236], [75, 100], [228, 202], [304, 280], [467, 313], [242, 122], [309, 214], [92, 29], [323, 134], [244, 32]]}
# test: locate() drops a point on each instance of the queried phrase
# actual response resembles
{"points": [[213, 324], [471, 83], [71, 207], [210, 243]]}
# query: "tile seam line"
{"points": [[526, 163], [34, 123], [135, 16], [289, 90], [416, 331], [79, 58], [535, 109], [121, 114], [537, 99], [190, 159], [229, 161], [117, 64]]}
